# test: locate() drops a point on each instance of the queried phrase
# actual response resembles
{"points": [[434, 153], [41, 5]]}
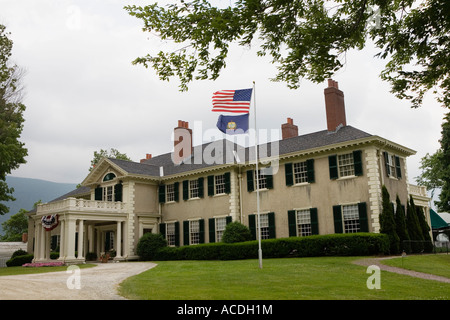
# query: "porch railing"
{"points": [[73, 204]]}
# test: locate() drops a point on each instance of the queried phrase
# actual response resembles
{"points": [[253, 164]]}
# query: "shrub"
{"points": [[19, 252], [149, 244], [236, 232], [357, 244], [19, 260]]}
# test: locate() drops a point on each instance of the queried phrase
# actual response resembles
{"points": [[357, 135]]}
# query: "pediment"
{"points": [[104, 171]]}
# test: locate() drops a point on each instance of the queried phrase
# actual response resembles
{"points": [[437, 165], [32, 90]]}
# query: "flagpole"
{"points": [[257, 182]]}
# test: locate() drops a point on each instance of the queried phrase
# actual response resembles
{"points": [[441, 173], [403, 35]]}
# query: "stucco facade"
{"points": [[319, 183]]}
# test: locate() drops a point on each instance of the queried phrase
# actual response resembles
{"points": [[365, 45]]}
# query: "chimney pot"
{"points": [[182, 142], [289, 129], [334, 105]]}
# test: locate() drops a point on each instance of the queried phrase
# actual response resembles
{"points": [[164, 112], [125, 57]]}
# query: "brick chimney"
{"points": [[289, 129], [182, 142], [147, 156], [335, 107]]}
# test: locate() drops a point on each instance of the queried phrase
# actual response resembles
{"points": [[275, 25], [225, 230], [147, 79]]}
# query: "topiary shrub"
{"points": [[149, 245], [19, 252], [236, 232], [19, 260]]}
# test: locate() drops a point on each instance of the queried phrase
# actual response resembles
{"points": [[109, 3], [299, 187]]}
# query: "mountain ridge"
{"points": [[28, 191]]}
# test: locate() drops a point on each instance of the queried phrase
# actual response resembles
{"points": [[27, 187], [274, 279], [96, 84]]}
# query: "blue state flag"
{"points": [[233, 124]]}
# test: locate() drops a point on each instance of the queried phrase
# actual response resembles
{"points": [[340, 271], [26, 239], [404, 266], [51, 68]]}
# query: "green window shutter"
{"points": [[118, 192], [269, 181], [252, 225], [386, 163], [289, 174], [201, 224], [162, 229], [176, 187], [250, 185], [272, 234], [99, 194], [177, 234], [228, 219], [210, 186], [397, 167], [314, 221], [200, 187], [162, 193], [337, 216], [357, 161], [212, 230], [310, 170], [292, 223], [185, 189], [363, 221], [332, 163], [227, 177], [186, 233]]}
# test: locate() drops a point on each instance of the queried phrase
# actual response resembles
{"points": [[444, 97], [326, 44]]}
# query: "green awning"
{"points": [[436, 221]]}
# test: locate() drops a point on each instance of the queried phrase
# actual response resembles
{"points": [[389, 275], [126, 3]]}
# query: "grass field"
{"points": [[438, 264], [11, 271], [323, 278]]}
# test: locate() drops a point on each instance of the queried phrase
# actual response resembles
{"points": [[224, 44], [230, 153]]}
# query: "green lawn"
{"points": [[438, 264], [285, 279], [11, 271]]}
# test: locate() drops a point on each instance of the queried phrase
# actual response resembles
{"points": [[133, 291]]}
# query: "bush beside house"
{"points": [[357, 244]]}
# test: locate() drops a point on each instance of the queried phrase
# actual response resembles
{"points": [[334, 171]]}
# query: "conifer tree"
{"points": [[425, 228], [414, 231], [400, 225], [387, 222]]}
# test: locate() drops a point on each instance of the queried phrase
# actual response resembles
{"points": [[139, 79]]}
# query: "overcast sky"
{"points": [[83, 94]]}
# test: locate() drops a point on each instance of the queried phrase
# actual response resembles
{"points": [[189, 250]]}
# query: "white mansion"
{"points": [[327, 182]]}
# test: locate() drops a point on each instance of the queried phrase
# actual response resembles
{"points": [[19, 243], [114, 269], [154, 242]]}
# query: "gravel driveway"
{"points": [[97, 283]]}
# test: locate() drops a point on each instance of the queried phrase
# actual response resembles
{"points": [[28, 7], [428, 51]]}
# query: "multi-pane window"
{"points": [[221, 223], [108, 193], [391, 164], [346, 165], [170, 234], [170, 192], [194, 232], [300, 172], [264, 226], [219, 184], [351, 218], [261, 180], [304, 223], [193, 188]]}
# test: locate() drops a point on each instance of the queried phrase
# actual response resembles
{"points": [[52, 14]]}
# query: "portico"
{"points": [[82, 226]]}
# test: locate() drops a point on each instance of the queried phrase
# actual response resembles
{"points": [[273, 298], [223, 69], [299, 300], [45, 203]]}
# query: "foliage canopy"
{"points": [[306, 39]]}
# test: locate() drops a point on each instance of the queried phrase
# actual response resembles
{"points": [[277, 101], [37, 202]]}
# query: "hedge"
{"points": [[356, 244]]}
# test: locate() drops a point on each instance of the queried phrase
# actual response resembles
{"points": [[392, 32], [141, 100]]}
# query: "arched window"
{"points": [[109, 177]]}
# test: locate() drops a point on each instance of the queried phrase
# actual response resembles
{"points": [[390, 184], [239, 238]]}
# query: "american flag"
{"points": [[236, 101]]}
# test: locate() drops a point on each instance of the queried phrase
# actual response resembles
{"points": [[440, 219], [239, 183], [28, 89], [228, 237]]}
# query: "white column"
{"points": [[48, 237], [91, 238], [62, 241], [37, 240], [80, 239], [119, 240], [70, 239], [42, 244]]}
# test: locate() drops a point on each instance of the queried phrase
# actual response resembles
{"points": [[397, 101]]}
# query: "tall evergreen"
{"points": [[414, 230], [400, 224], [387, 222], [444, 198], [425, 228]]}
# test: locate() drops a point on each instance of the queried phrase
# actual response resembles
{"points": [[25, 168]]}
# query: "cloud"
{"points": [[84, 94]]}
